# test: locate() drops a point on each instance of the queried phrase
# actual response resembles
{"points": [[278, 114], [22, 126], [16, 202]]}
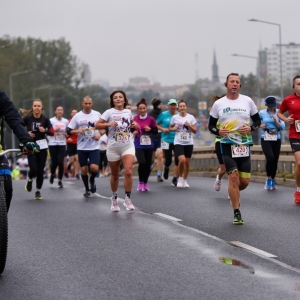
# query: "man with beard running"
{"points": [[88, 143]]}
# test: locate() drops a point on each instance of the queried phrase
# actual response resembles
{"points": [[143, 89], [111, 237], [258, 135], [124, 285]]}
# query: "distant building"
{"points": [[270, 63], [102, 82], [139, 81], [215, 70]]}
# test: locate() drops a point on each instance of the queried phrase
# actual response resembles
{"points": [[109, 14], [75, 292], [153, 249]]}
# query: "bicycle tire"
{"points": [[3, 228]]}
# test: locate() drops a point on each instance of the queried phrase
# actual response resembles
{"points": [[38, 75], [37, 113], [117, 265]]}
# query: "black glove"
{"points": [[32, 147]]}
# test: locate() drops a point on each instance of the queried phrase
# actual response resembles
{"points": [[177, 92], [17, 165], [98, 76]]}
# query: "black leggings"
{"points": [[168, 156], [103, 160], [144, 157], [37, 163], [271, 150], [57, 154]]}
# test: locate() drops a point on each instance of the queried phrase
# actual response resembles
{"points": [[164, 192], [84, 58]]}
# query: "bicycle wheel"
{"points": [[3, 229]]}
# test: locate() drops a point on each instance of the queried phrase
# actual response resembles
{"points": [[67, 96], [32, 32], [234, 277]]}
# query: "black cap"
{"points": [[270, 101]]}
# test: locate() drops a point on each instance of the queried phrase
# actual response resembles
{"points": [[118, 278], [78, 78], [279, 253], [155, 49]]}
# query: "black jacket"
{"points": [[13, 118]]}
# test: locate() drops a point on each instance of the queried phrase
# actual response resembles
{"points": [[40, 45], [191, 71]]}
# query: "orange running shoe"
{"points": [[297, 198]]}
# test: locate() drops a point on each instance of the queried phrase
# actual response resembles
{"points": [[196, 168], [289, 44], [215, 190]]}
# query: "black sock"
{"points": [[236, 210], [85, 180], [128, 194], [92, 177]]}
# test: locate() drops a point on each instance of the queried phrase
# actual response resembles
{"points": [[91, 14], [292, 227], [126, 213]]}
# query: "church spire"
{"points": [[215, 72]]}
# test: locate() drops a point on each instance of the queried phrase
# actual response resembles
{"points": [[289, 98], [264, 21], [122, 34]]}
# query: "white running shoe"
{"points": [[217, 184], [185, 184], [128, 204], [114, 205], [180, 182]]}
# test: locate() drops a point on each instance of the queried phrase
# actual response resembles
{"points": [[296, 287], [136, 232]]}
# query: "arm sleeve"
{"points": [[212, 125], [256, 122], [13, 118]]}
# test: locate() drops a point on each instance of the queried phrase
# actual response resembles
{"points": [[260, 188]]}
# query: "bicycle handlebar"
{"points": [[9, 150]]}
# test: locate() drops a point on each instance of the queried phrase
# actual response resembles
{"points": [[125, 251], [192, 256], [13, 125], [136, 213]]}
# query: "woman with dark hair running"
{"points": [[271, 139], [38, 126], [120, 148], [221, 170], [184, 124], [144, 144], [57, 144], [72, 149]]}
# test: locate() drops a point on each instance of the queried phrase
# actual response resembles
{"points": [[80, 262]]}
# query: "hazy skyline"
{"points": [[120, 39]]}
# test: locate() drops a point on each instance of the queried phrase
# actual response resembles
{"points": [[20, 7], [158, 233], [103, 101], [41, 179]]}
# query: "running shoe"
{"points": [[66, 174], [140, 187], [38, 195], [77, 176], [146, 188], [268, 185], [166, 173], [51, 180], [93, 186], [174, 181], [185, 184], [28, 185], [297, 198], [237, 220], [87, 194], [159, 179], [128, 204], [179, 182], [273, 185], [114, 205], [60, 185], [217, 184]]}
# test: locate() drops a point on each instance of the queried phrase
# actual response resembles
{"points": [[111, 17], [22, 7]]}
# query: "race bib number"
{"points": [[164, 145], [42, 143], [270, 137], [89, 133], [240, 150], [122, 137], [297, 125], [145, 140], [59, 136], [184, 137]]}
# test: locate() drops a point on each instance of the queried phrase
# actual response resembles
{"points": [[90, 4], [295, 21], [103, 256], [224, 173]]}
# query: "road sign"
{"points": [[202, 105]]}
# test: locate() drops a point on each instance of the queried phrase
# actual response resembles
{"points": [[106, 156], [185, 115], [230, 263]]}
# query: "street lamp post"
{"points": [[39, 88], [258, 73], [11, 94], [50, 96], [280, 51]]}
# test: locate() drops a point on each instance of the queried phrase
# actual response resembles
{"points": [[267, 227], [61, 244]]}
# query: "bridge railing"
{"points": [[204, 159]]}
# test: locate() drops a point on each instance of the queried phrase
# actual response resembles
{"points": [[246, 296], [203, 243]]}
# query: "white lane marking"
{"points": [[260, 253], [252, 249], [168, 217], [109, 198]]}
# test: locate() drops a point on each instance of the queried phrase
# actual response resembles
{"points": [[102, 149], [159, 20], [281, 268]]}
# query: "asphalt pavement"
{"points": [[69, 247]]}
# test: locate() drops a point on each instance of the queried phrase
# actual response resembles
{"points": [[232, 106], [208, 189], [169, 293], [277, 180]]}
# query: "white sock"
{"points": [[298, 189]]}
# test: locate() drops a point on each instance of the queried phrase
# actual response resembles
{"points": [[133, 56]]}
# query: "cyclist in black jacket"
{"points": [[12, 117]]}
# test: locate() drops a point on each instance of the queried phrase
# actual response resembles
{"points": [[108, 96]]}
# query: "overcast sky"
{"points": [[158, 39]]}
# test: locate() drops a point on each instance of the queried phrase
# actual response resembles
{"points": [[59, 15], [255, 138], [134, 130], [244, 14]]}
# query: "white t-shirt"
{"points": [[183, 135], [232, 115], [85, 140], [120, 135], [23, 163], [103, 142], [59, 138]]}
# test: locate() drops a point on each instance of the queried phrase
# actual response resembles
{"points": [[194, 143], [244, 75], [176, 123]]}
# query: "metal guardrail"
{"points": [[204, 159]]}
